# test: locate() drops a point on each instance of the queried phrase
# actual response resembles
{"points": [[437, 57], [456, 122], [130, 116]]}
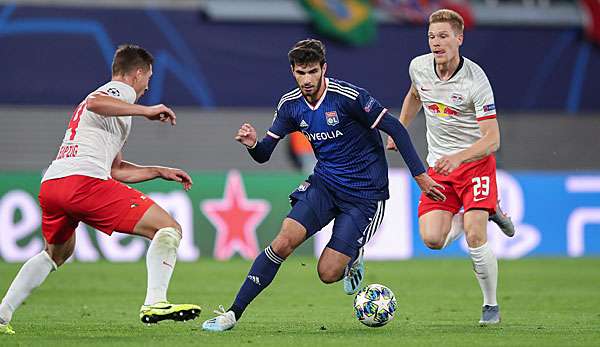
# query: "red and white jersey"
{"points": [[452, 108], [92, 141]]}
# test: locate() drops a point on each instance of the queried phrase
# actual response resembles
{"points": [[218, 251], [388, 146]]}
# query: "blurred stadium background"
{"points": [[223, 62]]}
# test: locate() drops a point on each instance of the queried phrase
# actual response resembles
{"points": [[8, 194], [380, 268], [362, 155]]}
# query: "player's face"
{"points": [[141, 81], [310, 79], [444, 42]]}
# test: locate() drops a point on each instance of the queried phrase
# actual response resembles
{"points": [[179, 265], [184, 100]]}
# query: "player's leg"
{"points": [[440, 222], [112, 206], [31, 275], [434, 227], [267, 263], [59, 233], [356, 224], [312, 209], [165, 233], [332, 264], [485, 264], [261, 274], [479, 195]]}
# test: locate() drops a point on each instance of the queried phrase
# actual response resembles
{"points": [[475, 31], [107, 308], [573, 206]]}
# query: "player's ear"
{"points": [[324, 68], [460, 38]]}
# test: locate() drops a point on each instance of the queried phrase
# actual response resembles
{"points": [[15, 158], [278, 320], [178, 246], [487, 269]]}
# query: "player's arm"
{"points": [[127, 172], [410, 107], [398, 133], [260, 151], [108, 106], [486, 145]]}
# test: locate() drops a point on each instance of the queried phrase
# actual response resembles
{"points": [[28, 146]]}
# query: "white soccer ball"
{"points": [[375, 305]]}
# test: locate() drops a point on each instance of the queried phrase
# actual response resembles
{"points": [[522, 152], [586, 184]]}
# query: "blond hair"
{"points": [[448, 16]]}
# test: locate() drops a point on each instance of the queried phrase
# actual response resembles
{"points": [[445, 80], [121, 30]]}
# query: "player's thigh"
{"points": [[291, 235], [109, 205], [477, 186], [313, 206], [355, 225], [154, 219], [58, 226], [475, 224], [434, 226]]}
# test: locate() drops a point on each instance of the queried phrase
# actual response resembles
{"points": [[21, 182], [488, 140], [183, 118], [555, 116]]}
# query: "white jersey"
{"points": [[92, 141], [452, 108]]}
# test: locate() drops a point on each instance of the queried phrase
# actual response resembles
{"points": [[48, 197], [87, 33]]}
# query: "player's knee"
{"points": [[168, 236], [283, 246], [433, 242], [475, 239], [60, 258], [329, 275], [175, 226], [475, 234]]}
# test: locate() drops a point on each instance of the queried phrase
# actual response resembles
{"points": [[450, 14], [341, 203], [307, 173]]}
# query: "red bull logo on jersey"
{"points": [[442, 110], [332, 118]]}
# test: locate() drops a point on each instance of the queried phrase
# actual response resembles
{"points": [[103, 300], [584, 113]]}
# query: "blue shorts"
{"points": [[356, 220]]}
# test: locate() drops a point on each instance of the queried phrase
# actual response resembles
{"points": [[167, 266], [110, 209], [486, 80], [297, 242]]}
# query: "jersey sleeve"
{"points": [[119, 90], [283, 123], [367, 110], [483, 97], [411, 71]]}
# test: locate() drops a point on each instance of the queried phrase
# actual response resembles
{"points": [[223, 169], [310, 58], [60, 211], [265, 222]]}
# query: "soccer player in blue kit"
{"points": [[350, 180]]}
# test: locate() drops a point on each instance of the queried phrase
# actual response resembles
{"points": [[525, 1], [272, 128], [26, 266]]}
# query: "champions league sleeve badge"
{"points": [[114, 92]]}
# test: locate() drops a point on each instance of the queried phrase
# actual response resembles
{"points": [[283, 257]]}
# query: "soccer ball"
{"points": [[375, 305]]}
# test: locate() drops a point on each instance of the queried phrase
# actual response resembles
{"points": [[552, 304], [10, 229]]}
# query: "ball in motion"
{"points": [[375, 305]]}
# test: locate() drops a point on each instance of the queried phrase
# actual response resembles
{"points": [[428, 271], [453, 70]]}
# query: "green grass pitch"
{"points": [[544, 302]]}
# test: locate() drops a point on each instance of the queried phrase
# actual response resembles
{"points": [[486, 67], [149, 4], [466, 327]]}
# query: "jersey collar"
{"points": [[460, 65], [314, 108]]}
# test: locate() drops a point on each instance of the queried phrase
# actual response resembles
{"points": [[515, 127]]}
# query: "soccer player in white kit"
{"points": [[462, 134], [84, 183]]}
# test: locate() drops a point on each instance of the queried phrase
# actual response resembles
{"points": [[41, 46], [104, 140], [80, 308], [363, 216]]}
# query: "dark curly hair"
{"points": [[307, 51]]}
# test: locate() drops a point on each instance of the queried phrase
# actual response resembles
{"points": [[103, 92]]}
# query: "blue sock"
{"points": [[261, 274]]}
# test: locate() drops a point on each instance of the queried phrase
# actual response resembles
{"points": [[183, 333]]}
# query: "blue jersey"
{"points": [[342, 133]]}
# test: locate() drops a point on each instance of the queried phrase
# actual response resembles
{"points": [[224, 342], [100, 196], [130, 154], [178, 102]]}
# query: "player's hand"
{"points": [[390, 144], [448, 163], [161, 113], [430, 187], [176, 175], [246, 135]]}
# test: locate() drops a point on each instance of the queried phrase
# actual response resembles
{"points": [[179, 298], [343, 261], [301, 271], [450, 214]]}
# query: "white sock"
{"points": [[485, 266], [457, 229], [160, 261], [32, 274]]}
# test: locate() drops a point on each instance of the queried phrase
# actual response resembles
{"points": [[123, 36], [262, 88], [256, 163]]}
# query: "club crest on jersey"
{"points": [[303, 187], [332, 118], [457, 99]]}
